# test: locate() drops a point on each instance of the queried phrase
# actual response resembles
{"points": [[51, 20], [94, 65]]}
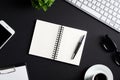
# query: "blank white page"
{"points": [[69, 40], [19, 74], [44, 38]]}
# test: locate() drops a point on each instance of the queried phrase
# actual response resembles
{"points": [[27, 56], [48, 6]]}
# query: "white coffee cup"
{"points": [[93, 73]]}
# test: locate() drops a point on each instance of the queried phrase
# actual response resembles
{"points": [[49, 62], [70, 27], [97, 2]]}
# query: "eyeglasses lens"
{"points": [[116, 58], [108, 44]]}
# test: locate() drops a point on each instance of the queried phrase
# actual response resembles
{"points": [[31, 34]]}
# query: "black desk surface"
{"points": [[20, 15]]}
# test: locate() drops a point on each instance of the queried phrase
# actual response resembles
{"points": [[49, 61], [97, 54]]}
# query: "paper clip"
{"points": [[7, 70]]}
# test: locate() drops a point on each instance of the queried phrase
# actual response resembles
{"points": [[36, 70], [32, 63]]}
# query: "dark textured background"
{"points": [[20, 15]]}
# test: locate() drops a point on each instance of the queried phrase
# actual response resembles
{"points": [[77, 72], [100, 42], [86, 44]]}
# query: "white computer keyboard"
{"points": [[107, 11]]}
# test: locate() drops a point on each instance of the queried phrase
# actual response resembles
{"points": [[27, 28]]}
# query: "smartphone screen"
{"points": [[4, 35]]}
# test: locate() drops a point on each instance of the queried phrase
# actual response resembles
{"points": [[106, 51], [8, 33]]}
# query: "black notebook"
{"points": [[57, 42]]}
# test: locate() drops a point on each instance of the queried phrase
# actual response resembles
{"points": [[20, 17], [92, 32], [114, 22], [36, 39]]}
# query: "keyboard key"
{"points": [[103, 18], [106, 14], [85, 2], [112, 7], [108, 4], [118, 29], [106, 9], [78, 3], [116, 26], [97, 4], [112, 1], [119, 11], [114, 19], [116, 3], [115, 9], [108, 21], [97, 9], [91, 11], [94, 1], [114, 13], [89, 4], [110, 11], [103, 2], [93, 7], [112, 23], [102, 12], [118, 16], [119, 6], [74, 1], [110, 16], [102, 6], [118, 21]]}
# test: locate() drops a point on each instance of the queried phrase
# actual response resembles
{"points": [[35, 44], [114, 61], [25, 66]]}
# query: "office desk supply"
{"points": [[57, 42], [99, 68], [106, 11], [16, 72], [6, 32], [110, 46], [77, 48]]}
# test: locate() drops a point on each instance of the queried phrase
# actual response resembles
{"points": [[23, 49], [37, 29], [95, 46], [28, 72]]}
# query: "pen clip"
{"points": [[7, 70]]}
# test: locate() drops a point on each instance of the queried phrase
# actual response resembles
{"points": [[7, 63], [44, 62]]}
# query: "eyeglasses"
{"points": [[110, 46]]}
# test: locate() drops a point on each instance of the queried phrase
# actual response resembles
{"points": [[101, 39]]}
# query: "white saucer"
{"points": [[99, 68]]}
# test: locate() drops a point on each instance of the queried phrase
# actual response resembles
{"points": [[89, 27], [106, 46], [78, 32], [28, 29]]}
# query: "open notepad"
{"points": [[57, 42]]}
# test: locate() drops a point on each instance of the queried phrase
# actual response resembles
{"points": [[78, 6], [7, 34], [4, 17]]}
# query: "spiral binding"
{"points": [[57, 42]]}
